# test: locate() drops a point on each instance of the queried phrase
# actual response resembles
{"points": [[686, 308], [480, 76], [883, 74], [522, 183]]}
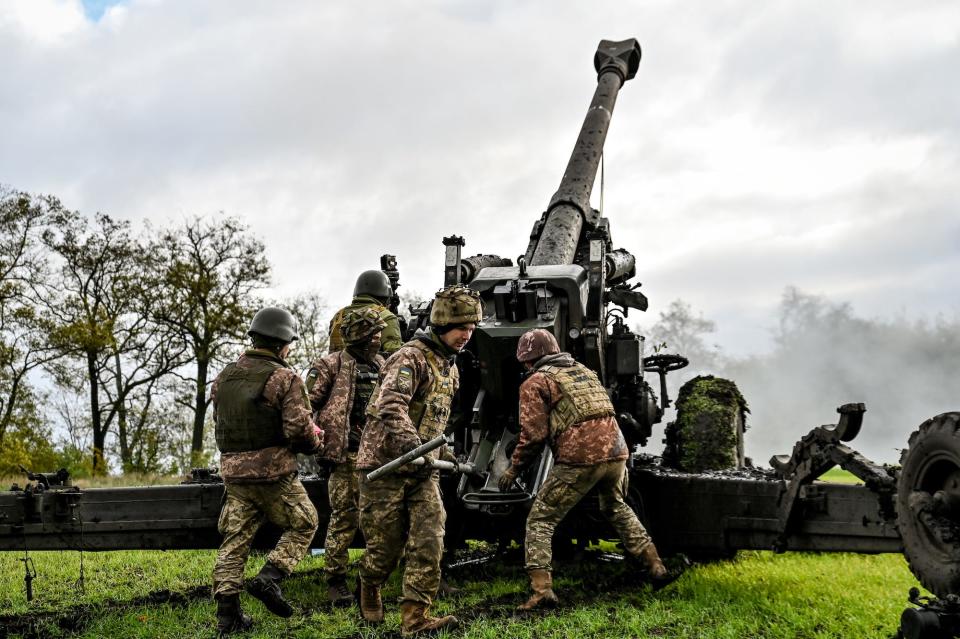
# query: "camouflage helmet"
{"points": [[456, 304], [375, 283], [274, 322], [535, 344], [360, 324]]}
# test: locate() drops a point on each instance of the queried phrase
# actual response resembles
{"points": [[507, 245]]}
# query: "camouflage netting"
{"points": [[707, 433]]}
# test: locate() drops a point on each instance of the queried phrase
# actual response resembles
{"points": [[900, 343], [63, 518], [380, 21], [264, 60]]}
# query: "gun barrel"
{"points": [[407, 457], [470, 266], [615, 62]]}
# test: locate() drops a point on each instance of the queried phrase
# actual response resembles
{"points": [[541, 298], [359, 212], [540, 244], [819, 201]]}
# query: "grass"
{"points": [[756, 595], [839, 476]]}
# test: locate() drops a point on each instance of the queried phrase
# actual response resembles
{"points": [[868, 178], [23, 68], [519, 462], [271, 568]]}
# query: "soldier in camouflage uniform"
{"points": [[403, 513], [373, 291], [563, 404], [340, 386], [262, 418]]}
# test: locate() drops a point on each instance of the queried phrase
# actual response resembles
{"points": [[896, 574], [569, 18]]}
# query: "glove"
{"points": [[505, 483], [447, 455]]}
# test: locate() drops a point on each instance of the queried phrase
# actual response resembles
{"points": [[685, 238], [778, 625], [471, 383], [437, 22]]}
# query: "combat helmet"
{"points": [[535, 344], [456, 304], [277, 323], [373, 283], [360, 324]]}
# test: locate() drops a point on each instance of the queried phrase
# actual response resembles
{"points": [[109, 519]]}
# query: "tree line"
{"points": [[115, 335]]}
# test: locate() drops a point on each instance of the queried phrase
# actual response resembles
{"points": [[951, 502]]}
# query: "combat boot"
{"points": [[414, 619], [371, 606], [265, 587], [541, 582], [660, 577], [230, 617], [337, 591]]}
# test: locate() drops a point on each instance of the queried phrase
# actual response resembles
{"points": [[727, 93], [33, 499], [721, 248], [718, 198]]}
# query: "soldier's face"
{"points": [[374, 344], [458, 337]]}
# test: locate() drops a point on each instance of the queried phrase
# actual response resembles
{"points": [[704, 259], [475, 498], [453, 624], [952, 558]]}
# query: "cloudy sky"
{"points": [[762, 144]]}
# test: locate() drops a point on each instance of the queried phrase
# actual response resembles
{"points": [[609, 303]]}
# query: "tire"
{"points": [[928, 503]]}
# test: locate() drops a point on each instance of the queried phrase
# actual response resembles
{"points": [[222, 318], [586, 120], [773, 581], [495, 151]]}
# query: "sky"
{"points": [[761, 145]]}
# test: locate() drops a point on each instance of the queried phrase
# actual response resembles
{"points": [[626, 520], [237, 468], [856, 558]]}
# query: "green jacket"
{"points": [[390, 340]]}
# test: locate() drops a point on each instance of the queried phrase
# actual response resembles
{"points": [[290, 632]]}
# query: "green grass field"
{"points": [[756, 595]]}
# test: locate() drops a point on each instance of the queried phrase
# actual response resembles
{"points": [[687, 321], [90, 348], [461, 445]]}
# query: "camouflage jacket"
{"points": [[390, 340], [332, 381], [284, 390], [584, 444], [419, 379]]}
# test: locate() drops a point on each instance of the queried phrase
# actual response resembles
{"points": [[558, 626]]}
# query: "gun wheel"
{"points": [[928, 503]]}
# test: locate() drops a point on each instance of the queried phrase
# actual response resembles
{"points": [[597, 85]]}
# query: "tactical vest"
{"points": [[583, 397], [429, 410], [365, 381], [244, 420]]}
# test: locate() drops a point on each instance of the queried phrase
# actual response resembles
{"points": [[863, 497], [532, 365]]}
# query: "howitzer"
{"points": [[566, 282]]}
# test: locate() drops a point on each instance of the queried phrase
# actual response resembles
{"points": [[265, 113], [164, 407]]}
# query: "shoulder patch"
{"points": [[312, 378], [405, 379]]}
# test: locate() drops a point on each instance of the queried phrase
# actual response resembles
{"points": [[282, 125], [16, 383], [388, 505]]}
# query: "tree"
{"points": [[22, 270], [313, 316], [683, 333], [99, 310], [210, 272]]}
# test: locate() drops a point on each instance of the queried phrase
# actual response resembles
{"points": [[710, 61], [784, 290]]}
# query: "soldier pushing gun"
{"points": [[563, 404], [403, 513]]}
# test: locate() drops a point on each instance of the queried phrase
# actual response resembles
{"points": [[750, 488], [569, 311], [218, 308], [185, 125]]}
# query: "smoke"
{"points": [[824, 355]]}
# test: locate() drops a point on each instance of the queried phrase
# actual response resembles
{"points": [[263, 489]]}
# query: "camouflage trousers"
{"points": [[563, 489], [284, 503], [403, 516], [343, 491]]}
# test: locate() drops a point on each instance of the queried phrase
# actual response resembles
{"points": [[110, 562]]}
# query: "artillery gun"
{"points": [[573, 282]]}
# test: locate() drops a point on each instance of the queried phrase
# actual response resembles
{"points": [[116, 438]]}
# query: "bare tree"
{"points": [[313, 316], [210, 274]]}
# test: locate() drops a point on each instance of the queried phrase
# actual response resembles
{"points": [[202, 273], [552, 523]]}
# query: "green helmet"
{"points": [[456, 304], [374, 283], [278, 323], [360, 324]]}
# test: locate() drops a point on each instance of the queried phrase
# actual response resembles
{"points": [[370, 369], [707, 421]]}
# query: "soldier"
{"points": [[340, 386], [372, 290], [403, 513], [563, 404], [262, 418]]}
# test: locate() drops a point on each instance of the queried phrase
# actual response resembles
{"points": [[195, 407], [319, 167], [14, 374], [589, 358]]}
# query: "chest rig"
{"points": [[583, 397], [430, 410]]}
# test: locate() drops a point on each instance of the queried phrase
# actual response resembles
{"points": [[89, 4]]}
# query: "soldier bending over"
{"points": [[403, 513], [563, 403], [340, 386], [262, 418]]}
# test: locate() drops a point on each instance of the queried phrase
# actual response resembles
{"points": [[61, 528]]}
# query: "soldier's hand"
{"points": [[505, 483]]}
